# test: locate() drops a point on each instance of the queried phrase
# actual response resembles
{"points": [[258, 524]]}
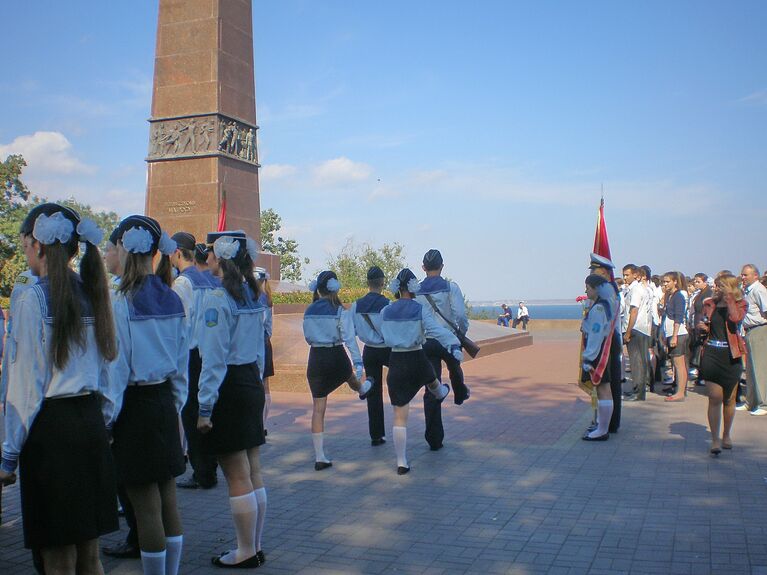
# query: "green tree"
{"points": [[290, 261], [352, 263], [15, 204]]}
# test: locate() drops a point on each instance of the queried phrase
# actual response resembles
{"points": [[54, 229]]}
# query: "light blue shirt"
{"points": [[447, 297], [151, 342], [24, 281], [371, 306], [232, 333], [596, 327], [407, 324], [191, 285], [327, 326], [32, 376]]}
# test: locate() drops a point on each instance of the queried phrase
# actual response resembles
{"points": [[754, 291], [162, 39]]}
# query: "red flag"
{"points": [[222, 214], [601, 243]]}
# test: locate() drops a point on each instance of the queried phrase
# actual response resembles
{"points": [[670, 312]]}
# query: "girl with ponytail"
{"points": [[231, 395], [148, 385], [262, 277], [327, 327], [62, 337]]}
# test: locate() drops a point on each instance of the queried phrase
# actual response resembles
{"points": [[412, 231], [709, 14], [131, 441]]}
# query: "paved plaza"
{"points": [[514, 490]]}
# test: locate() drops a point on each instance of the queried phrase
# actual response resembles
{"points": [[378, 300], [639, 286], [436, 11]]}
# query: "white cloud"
{"points": [[341, 170], [759, 98], [276, 171], [47, 153]]}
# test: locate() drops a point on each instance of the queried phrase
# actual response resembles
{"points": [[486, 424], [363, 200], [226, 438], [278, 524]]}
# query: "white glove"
{"points": [[358, 371], [458, 354]]}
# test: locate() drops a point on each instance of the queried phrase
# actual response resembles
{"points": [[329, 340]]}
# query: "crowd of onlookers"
{"points": [[665, 331]]}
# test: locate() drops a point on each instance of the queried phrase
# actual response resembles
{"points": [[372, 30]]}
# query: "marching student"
{"points": [[366, 312], [262, 278], [191, 286], [61, 339], [327, 327], [445, 299], [406, 326], [148, 385], [231, 395]]}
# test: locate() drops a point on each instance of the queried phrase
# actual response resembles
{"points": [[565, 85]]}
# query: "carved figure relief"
{"points": [[188, 137]]}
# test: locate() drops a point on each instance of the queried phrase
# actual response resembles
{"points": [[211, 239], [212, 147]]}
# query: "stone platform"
{"points": [[291, 350]]}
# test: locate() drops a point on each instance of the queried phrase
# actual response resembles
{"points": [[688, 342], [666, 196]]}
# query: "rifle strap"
{"points": [[436, 309], [370, 323]]}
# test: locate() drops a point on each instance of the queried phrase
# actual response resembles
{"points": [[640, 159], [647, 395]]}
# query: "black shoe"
{"points": [[459, 399], [604, 437], [402, 470], [320, 465], [124, 551], [249, 563], [261, 557], [379, 441], [613, 429], [436, 447], [192, 483]]}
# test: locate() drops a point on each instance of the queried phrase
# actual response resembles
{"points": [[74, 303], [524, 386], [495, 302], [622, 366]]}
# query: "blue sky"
{"points": [[484, 129]]}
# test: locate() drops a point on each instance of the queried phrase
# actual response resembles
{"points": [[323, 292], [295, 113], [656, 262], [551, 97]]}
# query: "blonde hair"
{"points": [[728, 283]]}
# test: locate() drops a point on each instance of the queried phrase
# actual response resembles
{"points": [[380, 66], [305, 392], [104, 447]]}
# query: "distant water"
{"points": [[564, 311]]}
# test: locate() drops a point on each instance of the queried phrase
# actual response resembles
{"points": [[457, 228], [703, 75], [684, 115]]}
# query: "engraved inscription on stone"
{"points": [[180, 207], [202, 136]]}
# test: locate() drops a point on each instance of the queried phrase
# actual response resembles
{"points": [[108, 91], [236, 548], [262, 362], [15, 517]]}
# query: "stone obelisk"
{"points": [[202, 144]]}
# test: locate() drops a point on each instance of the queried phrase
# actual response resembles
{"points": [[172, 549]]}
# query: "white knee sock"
{"points": [[400, 445], [173, 546], [261, 498], [153, 563], [244, 513], [319, 452], [267, 405], [604, 413]]}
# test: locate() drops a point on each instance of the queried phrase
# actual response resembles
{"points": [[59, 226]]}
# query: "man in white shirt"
{"points": [[638, 332], [523, 316], [756, 340]]}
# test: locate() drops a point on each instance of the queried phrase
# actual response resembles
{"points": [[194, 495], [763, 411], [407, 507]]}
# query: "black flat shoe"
{"points": [[249, 563], [320, 465], [261, 557], [402, 470], [715, 451], [604, 437], [379, 441], [124, 551]]}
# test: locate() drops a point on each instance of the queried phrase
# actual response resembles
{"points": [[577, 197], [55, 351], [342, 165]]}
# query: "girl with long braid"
{"points": [[148, 384], [62, 338], [231, 395]]}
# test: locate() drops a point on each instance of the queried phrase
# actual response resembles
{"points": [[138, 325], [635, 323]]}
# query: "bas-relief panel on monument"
{"points": [[207, 135]]}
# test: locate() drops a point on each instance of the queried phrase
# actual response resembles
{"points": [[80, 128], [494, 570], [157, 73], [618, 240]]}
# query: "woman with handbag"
{"points": [[722, 355]]}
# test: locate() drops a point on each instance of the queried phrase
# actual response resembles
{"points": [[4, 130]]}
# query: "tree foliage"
{"points": [[352, 263], [15, 203], [290, 261]]}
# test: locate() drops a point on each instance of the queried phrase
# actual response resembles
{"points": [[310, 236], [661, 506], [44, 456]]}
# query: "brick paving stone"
{"points": [[513, 491]]}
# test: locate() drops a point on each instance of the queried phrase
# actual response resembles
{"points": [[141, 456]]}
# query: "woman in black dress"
{"points": [[721, 360]]}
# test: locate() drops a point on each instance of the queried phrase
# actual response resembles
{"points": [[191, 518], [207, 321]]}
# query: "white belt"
{"points": [[401, 349]]}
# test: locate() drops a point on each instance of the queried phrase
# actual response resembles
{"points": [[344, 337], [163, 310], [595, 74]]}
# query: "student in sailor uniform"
{"points": [[201, 257], [407, 325], [262, 278], [191, 286], [148, 384], [447, 297], [596, 326], [231, 395], [327, 327], [61, 339], [366, 312], [129, 549]]}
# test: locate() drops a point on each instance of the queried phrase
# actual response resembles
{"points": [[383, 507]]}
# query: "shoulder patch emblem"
{"points": [[211, 317], [22, 279]]}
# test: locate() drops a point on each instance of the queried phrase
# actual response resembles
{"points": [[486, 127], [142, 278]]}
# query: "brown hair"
{"points": [[236, 271]]}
